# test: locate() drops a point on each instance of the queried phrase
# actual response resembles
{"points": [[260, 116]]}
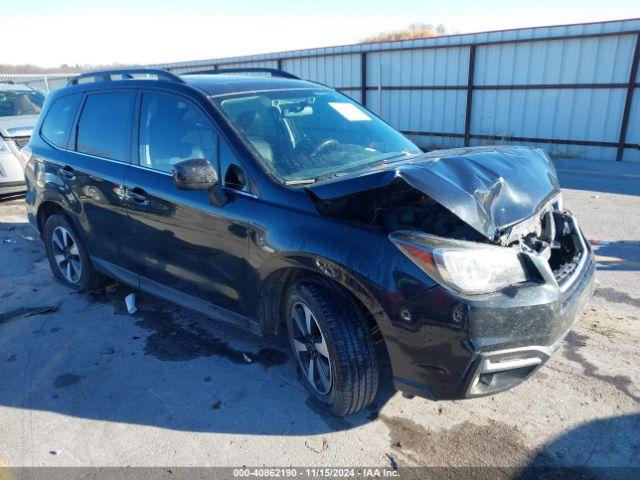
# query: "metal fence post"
{"points": [[467, 114], [363, 79], [46, 84], [627, 104]]}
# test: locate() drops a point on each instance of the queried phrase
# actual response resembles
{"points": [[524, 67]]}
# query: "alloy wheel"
{"points": [[310, 347], [66, 255]]}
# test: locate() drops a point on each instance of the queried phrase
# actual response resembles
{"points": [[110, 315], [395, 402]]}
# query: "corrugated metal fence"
{"points": [[572, 89]]}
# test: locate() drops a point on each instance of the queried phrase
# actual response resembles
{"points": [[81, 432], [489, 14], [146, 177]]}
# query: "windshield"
{"points": [[305, 135], [20, 102]]}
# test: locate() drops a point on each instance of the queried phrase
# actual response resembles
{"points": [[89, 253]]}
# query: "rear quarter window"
{"points": [[59, 120], [105, 125]]}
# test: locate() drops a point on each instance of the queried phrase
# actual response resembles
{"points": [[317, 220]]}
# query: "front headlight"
{"points": [[464, 267]]}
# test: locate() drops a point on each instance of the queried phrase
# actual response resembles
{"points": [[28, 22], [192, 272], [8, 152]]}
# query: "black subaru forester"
{"points": [[274, 203]]}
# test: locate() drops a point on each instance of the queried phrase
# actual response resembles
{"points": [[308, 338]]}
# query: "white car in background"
{"points": [[20, 107]]}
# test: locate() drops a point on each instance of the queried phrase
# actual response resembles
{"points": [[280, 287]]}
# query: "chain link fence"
{"points": [[43, 82]]}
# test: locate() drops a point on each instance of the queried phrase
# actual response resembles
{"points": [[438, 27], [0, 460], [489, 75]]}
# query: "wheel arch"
{"points": [[51, 206], [272, 290], [45, 210]]}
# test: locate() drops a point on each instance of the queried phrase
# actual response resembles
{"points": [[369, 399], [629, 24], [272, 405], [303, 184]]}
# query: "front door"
{"points": [[178, 239]]}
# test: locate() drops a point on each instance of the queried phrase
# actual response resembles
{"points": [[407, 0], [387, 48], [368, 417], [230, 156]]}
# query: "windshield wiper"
{"points": [[320, 178], [304, 181], [396, 157], [327, 176]]}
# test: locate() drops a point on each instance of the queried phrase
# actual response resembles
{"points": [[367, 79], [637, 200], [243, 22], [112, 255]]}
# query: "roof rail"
{"points": [[126, 73], [273, 71]]}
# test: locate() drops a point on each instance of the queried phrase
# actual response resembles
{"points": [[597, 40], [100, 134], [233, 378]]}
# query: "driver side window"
{"points": [[172, 129]]}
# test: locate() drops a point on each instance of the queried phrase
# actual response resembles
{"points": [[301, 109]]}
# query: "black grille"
{"points": [[20, 141]]}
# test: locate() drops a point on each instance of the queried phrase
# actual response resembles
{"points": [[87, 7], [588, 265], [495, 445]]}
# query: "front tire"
{"points": [[331, 342], [68, 257]]}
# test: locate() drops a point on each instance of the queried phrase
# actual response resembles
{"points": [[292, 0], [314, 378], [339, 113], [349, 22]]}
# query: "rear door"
{"points": [[178, 239], [93, 168]]}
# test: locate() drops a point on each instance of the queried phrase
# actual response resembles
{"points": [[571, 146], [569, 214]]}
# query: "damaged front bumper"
{"points": [[459, 346]]}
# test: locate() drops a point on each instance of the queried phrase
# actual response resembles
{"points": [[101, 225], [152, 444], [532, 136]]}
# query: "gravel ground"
{"points": [[86, 384]]}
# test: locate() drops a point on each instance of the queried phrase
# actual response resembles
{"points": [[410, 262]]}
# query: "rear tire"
{"points": [[68, 257], [338, 346]]}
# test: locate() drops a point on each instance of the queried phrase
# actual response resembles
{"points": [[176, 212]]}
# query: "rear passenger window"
{"points": [[173, 130], [105, 125], [59, 120]]}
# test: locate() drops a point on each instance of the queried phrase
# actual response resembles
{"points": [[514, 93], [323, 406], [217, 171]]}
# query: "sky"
{"points": [[52, 32]]}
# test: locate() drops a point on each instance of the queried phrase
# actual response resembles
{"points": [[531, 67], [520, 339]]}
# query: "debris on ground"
{"points": [[216, 405], [247, 358], [54, 452], [28, 312], [130, 302], [108, 351], [313, 445], [392, 461], [42, 310]]}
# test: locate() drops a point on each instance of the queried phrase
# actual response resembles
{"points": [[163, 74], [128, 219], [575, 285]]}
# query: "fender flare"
{"points": [[274, 277]]}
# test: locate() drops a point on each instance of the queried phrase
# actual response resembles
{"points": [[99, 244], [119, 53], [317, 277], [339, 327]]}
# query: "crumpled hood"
{"points": [[489, 188], [17, 126]]}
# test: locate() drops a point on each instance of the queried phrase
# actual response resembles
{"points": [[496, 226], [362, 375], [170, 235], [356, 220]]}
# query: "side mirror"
{"points": [[197, 174]]}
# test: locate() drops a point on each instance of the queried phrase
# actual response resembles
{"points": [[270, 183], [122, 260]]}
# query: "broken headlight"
{"points": [[464, 267]]}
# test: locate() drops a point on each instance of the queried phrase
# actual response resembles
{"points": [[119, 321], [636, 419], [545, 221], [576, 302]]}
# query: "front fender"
{"points": [[364, 261], [323, 267]]}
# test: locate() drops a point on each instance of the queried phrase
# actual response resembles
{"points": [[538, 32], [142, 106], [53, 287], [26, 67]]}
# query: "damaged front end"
{"points": [[549, 248], [512, 268], [491, 189], [476, 220]]}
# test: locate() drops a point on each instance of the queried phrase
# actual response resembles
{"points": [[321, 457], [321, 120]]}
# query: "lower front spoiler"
{"points": [[491, 372], [501, 343], [501, 370]]}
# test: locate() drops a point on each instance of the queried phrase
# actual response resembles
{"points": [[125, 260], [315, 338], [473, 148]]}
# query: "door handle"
{"points": [[138, 195], [68, 172]]}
